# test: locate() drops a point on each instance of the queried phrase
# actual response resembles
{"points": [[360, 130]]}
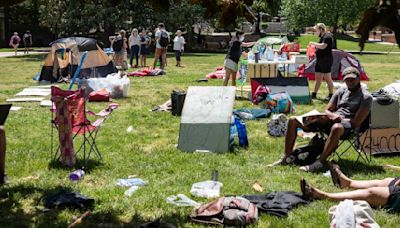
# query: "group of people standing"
{"points": [[139, 43], [15, 41]]}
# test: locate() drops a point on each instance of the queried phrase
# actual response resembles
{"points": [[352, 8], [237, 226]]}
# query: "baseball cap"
{"points": [[350, 72]]}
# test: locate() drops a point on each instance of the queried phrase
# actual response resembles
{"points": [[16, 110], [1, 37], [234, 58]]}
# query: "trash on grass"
{"points": [[207, 189], [182, 200], [131, 182], [257, 187]]}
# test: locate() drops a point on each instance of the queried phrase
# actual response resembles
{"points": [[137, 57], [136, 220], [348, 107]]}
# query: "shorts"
{"points": [[323, 65], [231, 65], [160, 51], [393, 203], [325, 127]]}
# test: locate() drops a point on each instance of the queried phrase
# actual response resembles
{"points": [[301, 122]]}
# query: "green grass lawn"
{"points": [[149, 152]]}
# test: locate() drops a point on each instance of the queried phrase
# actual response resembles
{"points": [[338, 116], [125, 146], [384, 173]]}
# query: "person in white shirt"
{"points": [[134, 45], [179, 43], [162, 40]]}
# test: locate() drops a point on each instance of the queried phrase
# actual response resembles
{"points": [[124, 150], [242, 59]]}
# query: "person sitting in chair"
{"points": [[378, 193], [3, 177], [347, 110]]}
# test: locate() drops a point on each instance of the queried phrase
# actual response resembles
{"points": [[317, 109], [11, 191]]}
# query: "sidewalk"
{"points": [[19, 53]]}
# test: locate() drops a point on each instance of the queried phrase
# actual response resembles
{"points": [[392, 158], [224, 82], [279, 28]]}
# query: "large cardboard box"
{"points": [[385, 114], [262, 70], [206, 119], [381, 141]]}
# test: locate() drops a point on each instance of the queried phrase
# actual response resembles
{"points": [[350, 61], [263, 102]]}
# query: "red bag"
{"points": [[102, 95]]}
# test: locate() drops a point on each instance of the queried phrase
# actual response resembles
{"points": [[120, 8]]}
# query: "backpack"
{"points": [[163, 39], [231, 211], [15, 40], [261, 94], [118, 44], [27, 40], [308, 154]]}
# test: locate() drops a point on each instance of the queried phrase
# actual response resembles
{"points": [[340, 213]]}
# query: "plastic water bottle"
{"points": [[250, 56], [276, 56], [270, 54], [77, 175]]}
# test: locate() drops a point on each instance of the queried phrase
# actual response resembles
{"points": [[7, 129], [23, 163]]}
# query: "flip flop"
{"points": [[335, 173], [305, 189]]}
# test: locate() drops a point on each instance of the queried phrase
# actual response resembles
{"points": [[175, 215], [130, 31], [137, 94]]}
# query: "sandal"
{"points": [[335, 173], [306, 189]]}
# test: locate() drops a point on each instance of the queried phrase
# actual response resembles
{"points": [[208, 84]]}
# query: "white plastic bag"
{"points": [[207, 189]]}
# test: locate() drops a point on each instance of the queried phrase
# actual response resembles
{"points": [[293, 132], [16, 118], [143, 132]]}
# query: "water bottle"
{"points": [[276, 56], [250, 56], [242, 133], [256, 57], [270, 54], [76, 175]]}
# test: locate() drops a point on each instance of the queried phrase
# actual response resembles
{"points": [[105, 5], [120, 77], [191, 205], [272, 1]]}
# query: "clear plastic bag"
{"points": [[207, 189]]}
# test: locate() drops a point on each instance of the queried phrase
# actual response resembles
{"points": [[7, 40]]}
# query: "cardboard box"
{"points": [[262, 70], [381, 141]]}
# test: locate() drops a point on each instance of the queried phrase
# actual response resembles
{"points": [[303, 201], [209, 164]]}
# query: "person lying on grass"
{"points": [[346, 111], [378, 193]]}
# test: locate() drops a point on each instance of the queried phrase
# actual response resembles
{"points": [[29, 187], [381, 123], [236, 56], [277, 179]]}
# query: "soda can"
{"points": [[76, 175]]}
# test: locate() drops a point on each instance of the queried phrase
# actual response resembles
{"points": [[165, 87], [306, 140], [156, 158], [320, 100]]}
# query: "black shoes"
{"points": [[328, 98], [314, 95]]}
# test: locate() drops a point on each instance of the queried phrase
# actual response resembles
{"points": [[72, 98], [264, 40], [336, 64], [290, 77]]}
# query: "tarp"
{"points": [[270, 41], [341, 60], [65, 55]]}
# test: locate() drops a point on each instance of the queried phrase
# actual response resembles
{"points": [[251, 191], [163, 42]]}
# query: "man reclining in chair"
{"points": [[346, 111]]}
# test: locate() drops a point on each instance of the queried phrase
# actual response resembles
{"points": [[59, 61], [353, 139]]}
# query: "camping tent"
{"points": [[65, 56], [341, 60]]}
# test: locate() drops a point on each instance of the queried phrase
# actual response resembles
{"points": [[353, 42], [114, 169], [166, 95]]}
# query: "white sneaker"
{"points": [[317, 165]]}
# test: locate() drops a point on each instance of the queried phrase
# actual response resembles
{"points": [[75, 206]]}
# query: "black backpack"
{"points": [[308, 154], [27, 40], [117, 45], [15, 40], [164, 39]]}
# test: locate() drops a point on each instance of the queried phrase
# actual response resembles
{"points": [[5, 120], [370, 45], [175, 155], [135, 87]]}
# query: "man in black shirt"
{"points": [[233, 56], [324, 60]]}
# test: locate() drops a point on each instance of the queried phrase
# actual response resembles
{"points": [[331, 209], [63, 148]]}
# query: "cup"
{"points": [[76, 175]]}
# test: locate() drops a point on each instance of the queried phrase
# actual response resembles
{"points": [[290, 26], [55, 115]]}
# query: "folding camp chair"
{"points": [[69, 117], [354, 141]]}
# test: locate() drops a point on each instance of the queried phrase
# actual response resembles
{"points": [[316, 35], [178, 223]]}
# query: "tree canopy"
{"points": [[336, 13]]}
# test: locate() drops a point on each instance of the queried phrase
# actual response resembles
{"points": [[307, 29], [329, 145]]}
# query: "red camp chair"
{"points": [[69, 118]]}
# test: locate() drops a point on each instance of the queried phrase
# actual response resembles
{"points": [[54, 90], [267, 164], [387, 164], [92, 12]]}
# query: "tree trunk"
{"points": [[258, 24]]}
